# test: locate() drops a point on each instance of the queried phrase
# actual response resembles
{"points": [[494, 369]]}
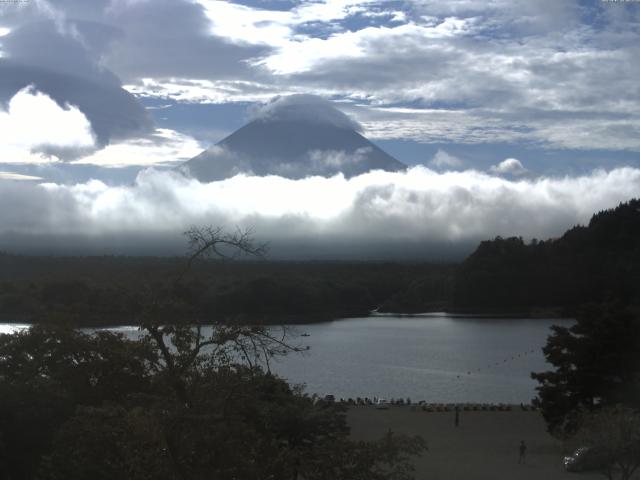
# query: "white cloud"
{"points": [[509, 166], [319, 162], [444, 160], [442, 125], [162, 147], [304, 108], [185, 90], [33, 123], [415, 206], [36, 130], [243, 24], [329, 10], [591, 133], [18, 176], [481, 71], [338, 159], [512, 84], [303, 54]]}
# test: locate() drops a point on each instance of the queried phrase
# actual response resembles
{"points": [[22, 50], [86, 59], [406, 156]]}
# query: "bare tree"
{"points": [[183, 347], [211, 241]]}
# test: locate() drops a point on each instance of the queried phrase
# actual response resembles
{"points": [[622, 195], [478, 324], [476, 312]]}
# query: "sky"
{"points": [[514, 118]]}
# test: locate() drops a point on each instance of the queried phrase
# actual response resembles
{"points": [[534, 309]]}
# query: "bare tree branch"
{"points": [[211, 241], [183, 348]]}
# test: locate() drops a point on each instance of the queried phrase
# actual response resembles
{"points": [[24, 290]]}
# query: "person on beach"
{"points": [[457, 418], [523, 451]]}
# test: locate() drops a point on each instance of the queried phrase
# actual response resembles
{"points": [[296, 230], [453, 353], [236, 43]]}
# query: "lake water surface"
{"points": [[437, 358]]}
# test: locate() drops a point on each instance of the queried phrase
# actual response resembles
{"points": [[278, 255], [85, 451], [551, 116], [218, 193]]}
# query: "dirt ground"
{"points": [[483, 447]]}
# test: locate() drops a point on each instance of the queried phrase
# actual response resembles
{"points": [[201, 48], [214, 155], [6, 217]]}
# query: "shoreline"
{"points": [[306, 319], [439, 407]]}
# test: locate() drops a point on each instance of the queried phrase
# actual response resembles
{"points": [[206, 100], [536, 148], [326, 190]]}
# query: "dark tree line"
{"points": [[109, 290]]}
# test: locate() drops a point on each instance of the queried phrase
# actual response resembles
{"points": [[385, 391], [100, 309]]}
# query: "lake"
{"points": [[435, 357]]}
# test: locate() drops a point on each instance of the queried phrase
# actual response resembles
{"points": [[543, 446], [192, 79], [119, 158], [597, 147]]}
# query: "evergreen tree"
{"points": [[597, 363]]}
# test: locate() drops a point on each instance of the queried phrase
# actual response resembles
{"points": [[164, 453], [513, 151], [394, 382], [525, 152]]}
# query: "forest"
{"points": [[111, 290], [596, 263]]}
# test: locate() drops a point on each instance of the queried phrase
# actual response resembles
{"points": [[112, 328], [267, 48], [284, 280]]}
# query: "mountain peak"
{"points": [[310, 109], [295, 137]]}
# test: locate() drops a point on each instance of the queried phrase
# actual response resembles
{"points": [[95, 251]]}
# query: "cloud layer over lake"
{"points": [[415, 213]]}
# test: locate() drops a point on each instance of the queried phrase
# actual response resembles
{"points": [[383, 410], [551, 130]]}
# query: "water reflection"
{"points": [[437, 359], [12, 327]]}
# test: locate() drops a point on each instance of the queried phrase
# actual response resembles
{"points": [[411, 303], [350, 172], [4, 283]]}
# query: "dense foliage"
{"points": [[78, 406], [596, 263], [596, 364]]}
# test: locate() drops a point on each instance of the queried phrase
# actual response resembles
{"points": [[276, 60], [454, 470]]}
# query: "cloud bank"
{"points": [[437, 214]]}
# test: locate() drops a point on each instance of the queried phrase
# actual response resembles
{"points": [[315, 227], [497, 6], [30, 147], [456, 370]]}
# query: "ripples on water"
{"points": [[435, 358]]}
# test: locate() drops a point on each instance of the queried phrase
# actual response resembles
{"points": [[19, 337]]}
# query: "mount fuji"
{"points": [[294, 137]]}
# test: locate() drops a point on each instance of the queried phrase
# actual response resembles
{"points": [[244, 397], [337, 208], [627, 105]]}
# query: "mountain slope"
{"points": [[293, 143]]}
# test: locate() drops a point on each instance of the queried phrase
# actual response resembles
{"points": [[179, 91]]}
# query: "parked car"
{"points": [[382, 404], [585, 458]]}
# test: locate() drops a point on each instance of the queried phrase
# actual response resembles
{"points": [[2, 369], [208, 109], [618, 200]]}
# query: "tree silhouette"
{"points": [[597, 364]]}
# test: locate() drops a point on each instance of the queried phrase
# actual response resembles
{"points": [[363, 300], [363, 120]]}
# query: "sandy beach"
{"points": [[483, 447]]}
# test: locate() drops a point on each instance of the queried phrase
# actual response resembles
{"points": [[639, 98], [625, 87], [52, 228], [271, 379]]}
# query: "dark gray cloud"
{"points": [[135, 39], [57, 62], [113, 112], [73, 48], [172, 38]]}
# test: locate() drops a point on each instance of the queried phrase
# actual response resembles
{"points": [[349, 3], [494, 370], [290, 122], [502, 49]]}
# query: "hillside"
{"points": [[594, 263]]}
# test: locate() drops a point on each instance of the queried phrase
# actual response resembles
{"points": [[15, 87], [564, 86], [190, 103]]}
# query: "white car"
{"points": [[382, 404]]}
